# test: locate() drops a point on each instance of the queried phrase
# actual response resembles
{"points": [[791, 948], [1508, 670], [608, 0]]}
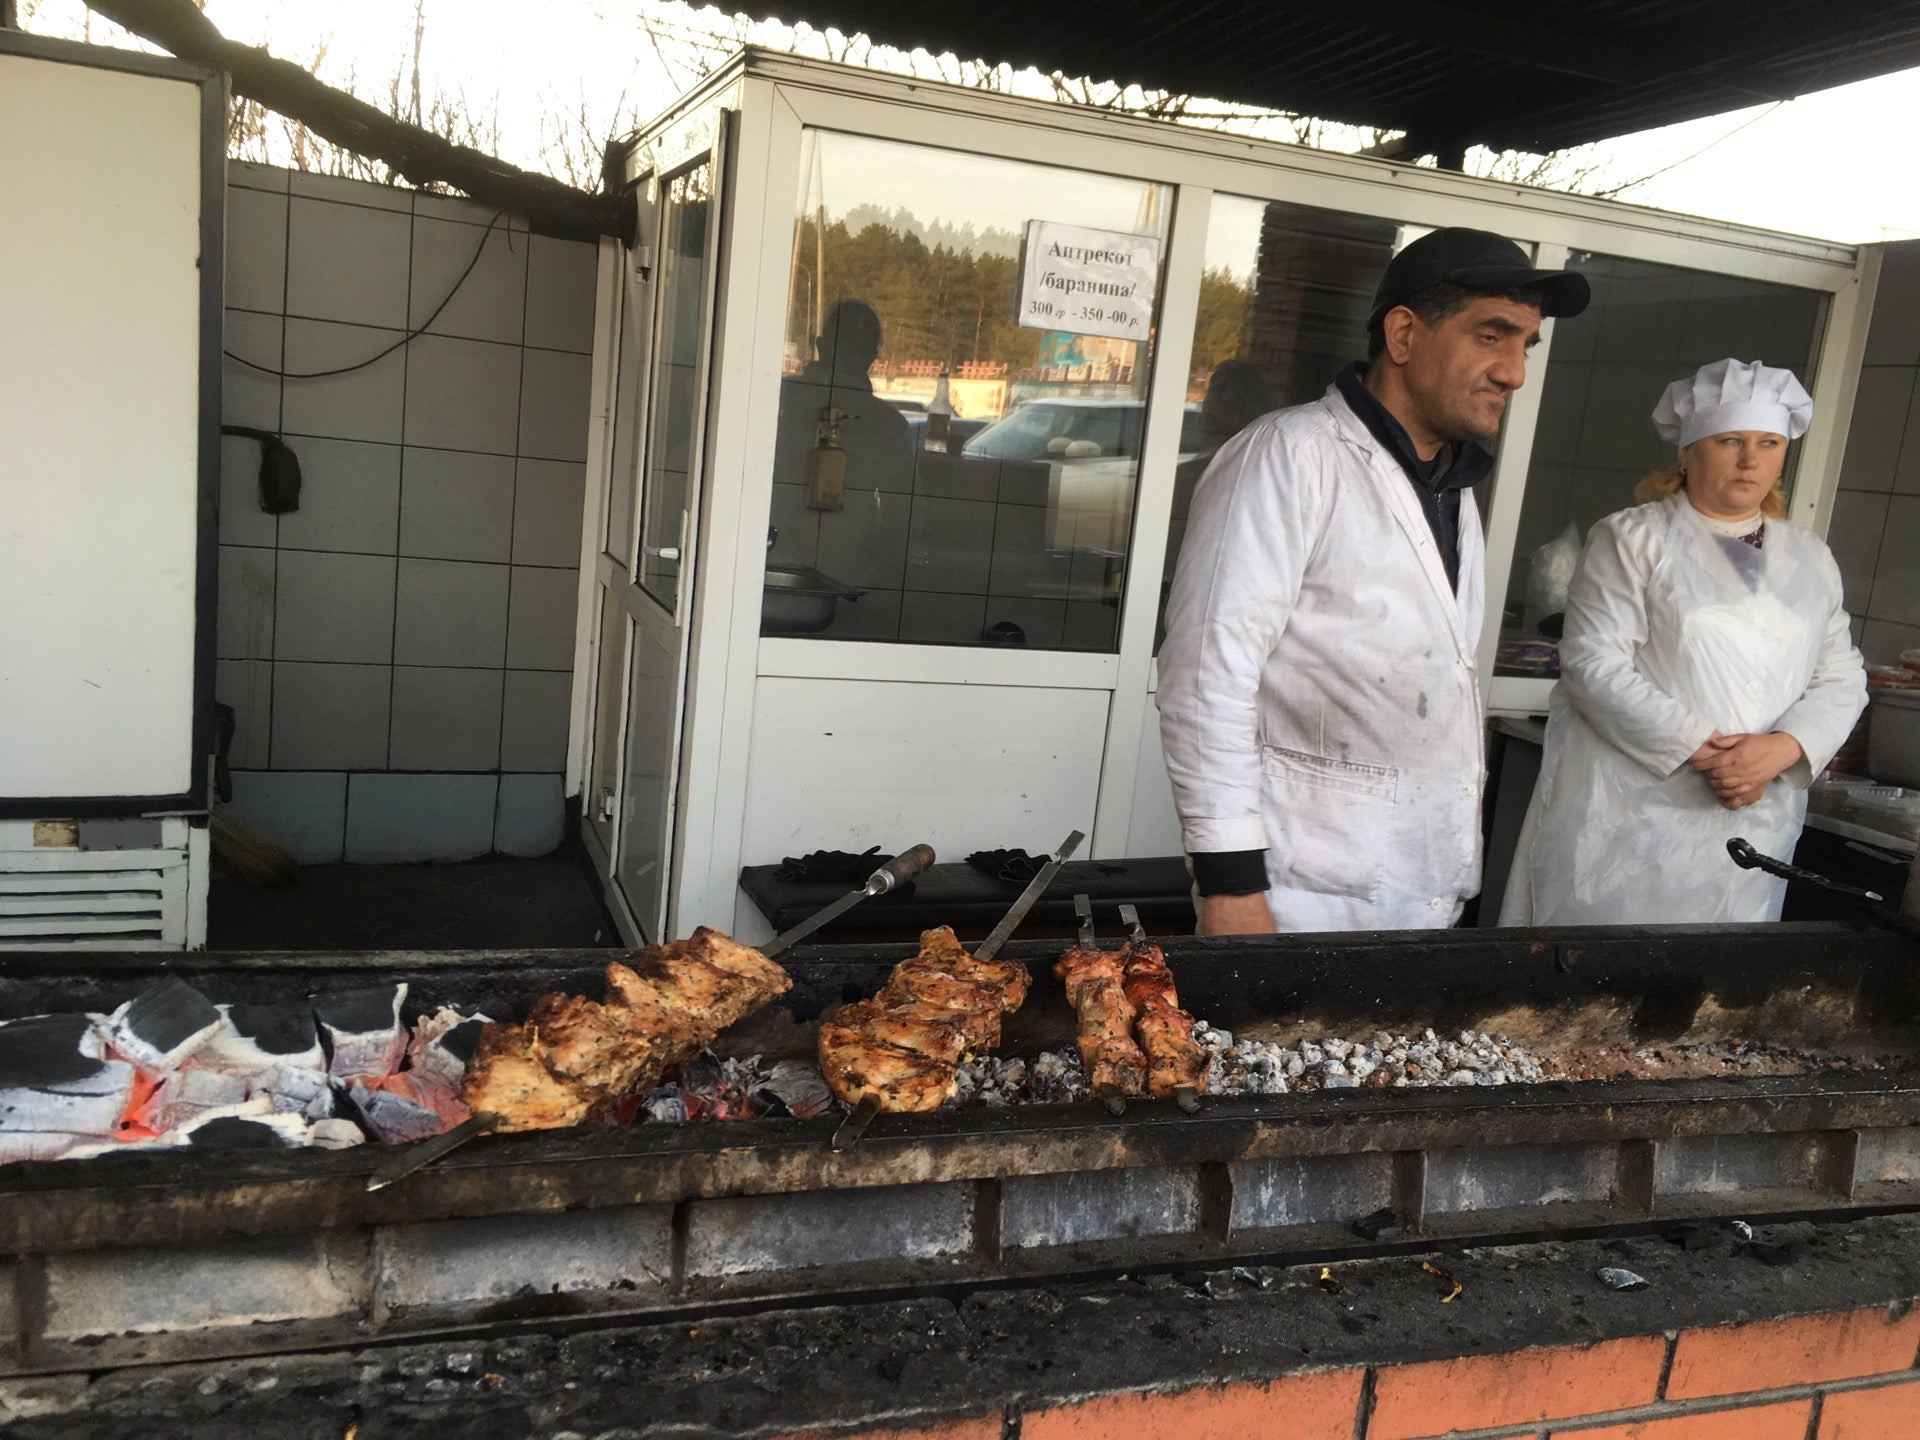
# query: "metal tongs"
{"points": [[890, 876], [861, 1116], [1185, 1096], [1748, 858]]}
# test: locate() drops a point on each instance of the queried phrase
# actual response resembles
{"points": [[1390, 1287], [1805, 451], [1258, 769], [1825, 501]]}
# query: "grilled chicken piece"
{"points": [[858, 1067], [901, 1048], [573, 1055], [1114, 1065], [971, 1004], [591, 1045], [943, 948], [908, 1025], [1175, 1060], [507, 1080]]}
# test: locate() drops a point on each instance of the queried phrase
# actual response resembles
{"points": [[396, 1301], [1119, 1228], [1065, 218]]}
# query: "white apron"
{"points": [[1673, 632]]}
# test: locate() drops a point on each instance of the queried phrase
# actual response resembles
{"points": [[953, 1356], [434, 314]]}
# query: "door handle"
{"points": [[665, 552]]}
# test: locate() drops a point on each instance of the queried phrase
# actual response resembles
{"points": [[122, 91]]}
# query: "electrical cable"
{"points": [[405, 339]]}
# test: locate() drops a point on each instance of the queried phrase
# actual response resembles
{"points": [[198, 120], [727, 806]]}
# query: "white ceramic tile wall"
{"points": [[415, 613], [1875, 530]]}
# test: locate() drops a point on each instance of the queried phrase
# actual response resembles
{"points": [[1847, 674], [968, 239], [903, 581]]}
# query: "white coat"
{"points": [[1317, 689], [1673, 632]]}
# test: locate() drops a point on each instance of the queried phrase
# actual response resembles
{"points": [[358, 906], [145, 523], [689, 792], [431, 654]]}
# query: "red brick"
{"points": [[1881, 1414], [985, 1427], [1770, 1354], [1318, 1406], [1761, 1422], [1480, 1392]]}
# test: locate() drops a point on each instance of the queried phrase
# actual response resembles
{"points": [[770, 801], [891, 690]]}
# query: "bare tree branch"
{"points": [[421, 156]]}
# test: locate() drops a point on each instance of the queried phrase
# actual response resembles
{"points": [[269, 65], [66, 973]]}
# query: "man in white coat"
{"points": [[1319, 704]]}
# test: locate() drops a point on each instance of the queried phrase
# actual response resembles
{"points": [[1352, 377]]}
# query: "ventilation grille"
{"points": [[97, 900]]}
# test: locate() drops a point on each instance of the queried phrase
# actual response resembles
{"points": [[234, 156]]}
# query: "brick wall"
{"points": [[399, 649], [1842, 1375]]}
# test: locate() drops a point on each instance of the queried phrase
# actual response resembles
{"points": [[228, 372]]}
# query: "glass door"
{"points": [[647, 562]]}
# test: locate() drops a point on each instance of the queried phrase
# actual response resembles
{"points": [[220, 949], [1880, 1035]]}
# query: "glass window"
{"points": [[1283, 309], [945, 473], [1648, 326], [680, 287]]}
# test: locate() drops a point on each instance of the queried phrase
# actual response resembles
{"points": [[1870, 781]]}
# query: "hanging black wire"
{"points": [[409, 337]]}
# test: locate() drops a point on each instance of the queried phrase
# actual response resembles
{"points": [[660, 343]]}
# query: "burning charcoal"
{"points": [[164, 1026], [442, 1044], [276, 1050], [335, 1134], [396, 1112], [665, 1105], [799, 1086], [247, 1132], [53, 1080], [191, 1091], [363, 1031], [1615, 1278]]}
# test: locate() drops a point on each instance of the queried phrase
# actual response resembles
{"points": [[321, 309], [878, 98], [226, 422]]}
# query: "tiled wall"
{"points": [[399, 649], [1875, 532]]}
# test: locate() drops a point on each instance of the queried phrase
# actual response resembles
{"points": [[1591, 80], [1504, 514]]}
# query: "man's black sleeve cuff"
{"points": [[1230, 872]]}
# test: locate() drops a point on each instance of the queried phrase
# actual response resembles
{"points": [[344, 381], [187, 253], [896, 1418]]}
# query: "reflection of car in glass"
{"points": [[1091, 447], [1046, 429]]}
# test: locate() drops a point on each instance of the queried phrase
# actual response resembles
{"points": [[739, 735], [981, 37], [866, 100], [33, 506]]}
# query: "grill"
{"points": [[159, 1257]]}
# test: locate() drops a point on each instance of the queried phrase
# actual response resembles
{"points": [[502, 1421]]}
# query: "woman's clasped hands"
{"points": [[1738, 767]]}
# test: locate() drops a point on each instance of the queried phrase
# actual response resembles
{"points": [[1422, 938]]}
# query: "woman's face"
{"points": [[1728, 475]]}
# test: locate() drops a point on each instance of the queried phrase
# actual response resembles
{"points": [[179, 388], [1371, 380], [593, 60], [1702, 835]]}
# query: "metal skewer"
{"points": [[861, 1116], [890, 876], [1185, 1096]]}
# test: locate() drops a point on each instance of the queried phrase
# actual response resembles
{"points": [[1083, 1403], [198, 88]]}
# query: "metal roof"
{"points": [[1508, 74]]}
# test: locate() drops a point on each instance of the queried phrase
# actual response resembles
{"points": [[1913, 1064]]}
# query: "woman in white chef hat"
{"points": [[1707, 674]]}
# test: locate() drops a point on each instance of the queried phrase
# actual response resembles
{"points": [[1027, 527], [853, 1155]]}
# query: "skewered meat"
{"points": [[571, 1056], [858, 1067], [1114, 1065], [902, 1048], [1175, 1061]]}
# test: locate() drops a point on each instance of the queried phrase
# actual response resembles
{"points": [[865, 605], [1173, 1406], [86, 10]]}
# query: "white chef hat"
{"points": [[1733, 395]]}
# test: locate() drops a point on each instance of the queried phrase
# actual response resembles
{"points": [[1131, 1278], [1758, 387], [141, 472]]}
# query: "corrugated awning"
{"points": [[1507, 74]]}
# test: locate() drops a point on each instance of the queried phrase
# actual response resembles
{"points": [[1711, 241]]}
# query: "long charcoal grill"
{"points": [[140, 1258]]}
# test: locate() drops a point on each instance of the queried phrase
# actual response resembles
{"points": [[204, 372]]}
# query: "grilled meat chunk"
{"points": [[858, 1067], [573, 1056], [507, 1079], [1175, 1060], [901, 1049], [1113, 1062]]}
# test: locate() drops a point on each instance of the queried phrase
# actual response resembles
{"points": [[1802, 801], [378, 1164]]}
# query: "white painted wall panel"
{"points": [[99, 393], [1154, 827], [844, 764]]}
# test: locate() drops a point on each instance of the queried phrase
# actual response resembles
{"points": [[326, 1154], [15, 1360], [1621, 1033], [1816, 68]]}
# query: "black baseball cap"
{"points": [[1478, 260]]}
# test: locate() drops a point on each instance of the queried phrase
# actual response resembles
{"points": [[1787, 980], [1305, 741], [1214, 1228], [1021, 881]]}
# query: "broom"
{"points": [[253, 855]]}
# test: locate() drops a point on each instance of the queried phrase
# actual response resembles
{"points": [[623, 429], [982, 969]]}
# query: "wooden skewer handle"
{"points": [[902, 868]]}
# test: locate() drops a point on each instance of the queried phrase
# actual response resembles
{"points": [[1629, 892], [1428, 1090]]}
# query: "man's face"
{"points": [[1460, 372]]}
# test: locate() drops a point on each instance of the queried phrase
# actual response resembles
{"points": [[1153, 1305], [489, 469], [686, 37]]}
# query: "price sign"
{"points": [[1088, 282]]}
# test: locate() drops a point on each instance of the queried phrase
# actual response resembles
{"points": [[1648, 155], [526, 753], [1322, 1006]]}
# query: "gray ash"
{"points": [[1384, 1059]]}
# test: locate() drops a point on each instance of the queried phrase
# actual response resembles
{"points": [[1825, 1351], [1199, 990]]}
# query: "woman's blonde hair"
{"points": [[1673, 479]]}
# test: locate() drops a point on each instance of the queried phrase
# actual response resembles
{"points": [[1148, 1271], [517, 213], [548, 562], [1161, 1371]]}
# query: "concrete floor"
{"points": [[480, 905]]}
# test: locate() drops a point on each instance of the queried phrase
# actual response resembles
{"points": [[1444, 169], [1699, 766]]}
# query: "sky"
{"points": [[1817, 165]]}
